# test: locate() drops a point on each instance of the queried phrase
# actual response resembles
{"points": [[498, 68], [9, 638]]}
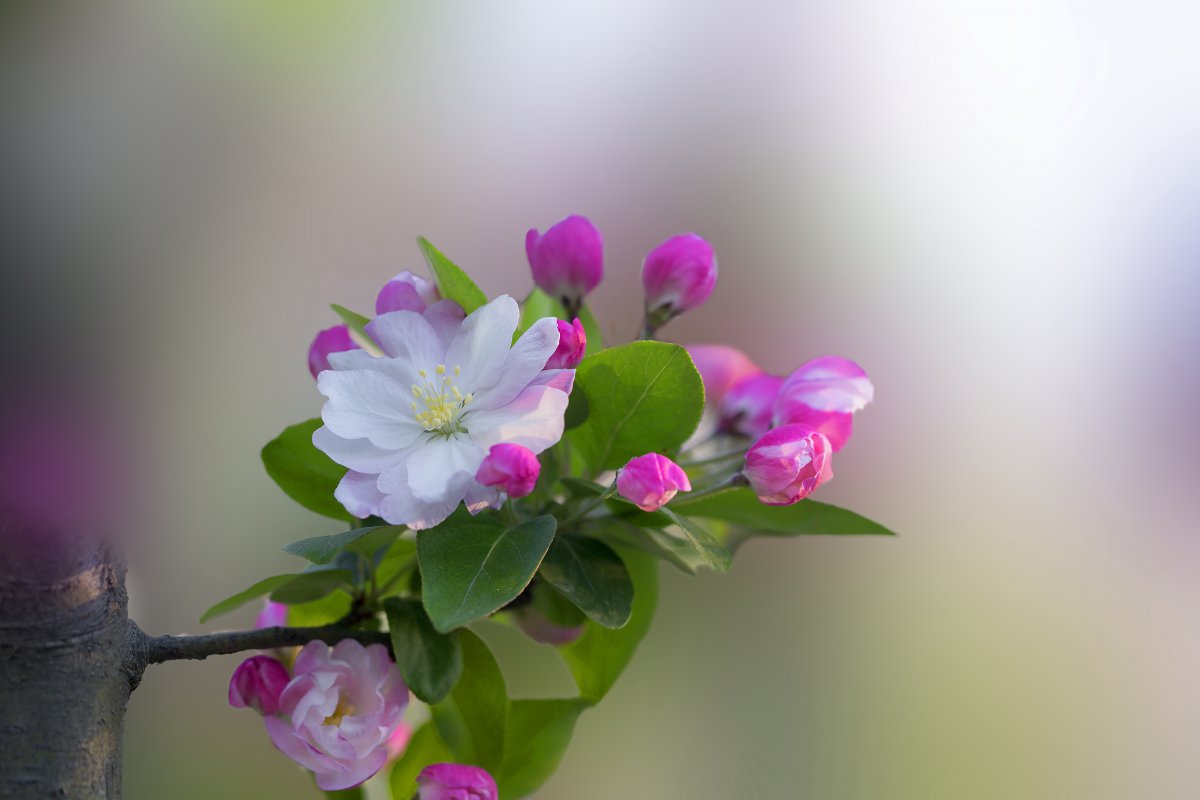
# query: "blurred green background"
{"points": [[991, 206]]}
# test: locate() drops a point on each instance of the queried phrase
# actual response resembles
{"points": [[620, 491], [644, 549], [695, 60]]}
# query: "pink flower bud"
{"points": [[678, 275], [650, 481], [572, 342], [746, 408], [273, 615], [339, 711], [397, 743], [258, 683], [538, 627], [406, 292], [331, 340], [511, 468], [567, 260], [823, 394], [721, 367], [787, 464], [455, 782]]}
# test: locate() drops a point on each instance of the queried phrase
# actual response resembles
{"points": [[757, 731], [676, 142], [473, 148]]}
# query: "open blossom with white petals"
{"points": [[414, 425]]}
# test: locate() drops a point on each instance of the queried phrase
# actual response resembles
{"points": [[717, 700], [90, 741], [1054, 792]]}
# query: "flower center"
{"points": [[344, 709], [439, 403]]}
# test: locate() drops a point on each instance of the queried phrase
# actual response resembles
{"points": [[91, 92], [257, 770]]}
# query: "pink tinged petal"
{"points": [[786, 464], [401, 507], [481, 345], [273, 615], [331, 340], [437, 466], [650, 481], [397, 743], [836, 427], [408, 336], [679, 274], [535, 625], [567, 261], [357, 454], [561, 379], [406, 292], [258, 683], [721, 368], [352, 774], [829, 383], [480, 497], [746, 408], [295, 747], [522, 364], [533, 420], [440, 782], [445, 317], [572, 344], [359, 493], [511, 468], [368, 405]]}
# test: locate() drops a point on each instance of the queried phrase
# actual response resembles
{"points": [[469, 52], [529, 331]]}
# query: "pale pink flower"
{"points": [[824, 394], [650, 481], [538, 627], [567, 260], [746, 408], [339, 711], [272, 615], [455, 782], [406, 292], [331, 340], [511, 468], [721, 367], [397, 743], [572, 343], [787, 464], [257, 683], [413, 426], [679, 275]]}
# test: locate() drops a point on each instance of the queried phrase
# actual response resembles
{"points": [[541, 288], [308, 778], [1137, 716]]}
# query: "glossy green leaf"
{"points": [[323, 549], [452, 282], [536, 737], [309, 586], [711, 550], [599, 657], [480, 701], [472, 567], [806, 518], [642, 397], [324, 611], [426, 747], [592, 576], [355, 793], [354, 321], [305, 474], [234, 602], [675, 550], [430, 662]]}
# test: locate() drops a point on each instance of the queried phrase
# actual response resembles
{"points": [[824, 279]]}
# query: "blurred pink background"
{"points": [[991, 206]]}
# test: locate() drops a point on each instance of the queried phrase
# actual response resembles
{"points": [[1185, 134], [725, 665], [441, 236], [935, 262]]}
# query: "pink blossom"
{"points": [[572, 342], [455, 782], [511, 468], [787, 464], [567, 260], [824, 394], [650, 481], [331, 340], [538, 627], [397, 743], [721, 367], [339, 711], [273, 615], [257, 683], [679, 275], [746, 408], [406, 292]]}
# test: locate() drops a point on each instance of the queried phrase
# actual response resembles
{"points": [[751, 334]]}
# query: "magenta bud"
{"points": [[331, 340], [787, 463], [678, 275], [650, 481], [824, 394], [273, 615], [572, 342], [455, 782], [746, 408], [721, 367], [567, 260], [511, 468], [258, 683], [406, 292]]}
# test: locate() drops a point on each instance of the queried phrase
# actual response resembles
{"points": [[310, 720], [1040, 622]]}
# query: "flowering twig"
{"points": [[158, 649]]}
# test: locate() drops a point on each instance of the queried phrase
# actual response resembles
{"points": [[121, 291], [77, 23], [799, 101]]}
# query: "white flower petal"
{"points": [[364, 404], [534, 419], [524, 362], [482, 343], [359, 493], [406, 335], [436, 467], [445, 317], [356, 454]]}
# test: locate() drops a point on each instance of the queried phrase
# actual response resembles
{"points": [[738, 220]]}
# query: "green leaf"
{"points": [[591, 576], [323, 549], [305, 474], [355, 793], [580, 488], [326, 610], [538, 305], [234, 602], [309, 586], [480, 705], [705, 543], [354, 321], [642, 397], [599, 657], [453, 283], [426, 747], [536, 737], [430, 662], [472, 567], [806, 518], [675, 550]]}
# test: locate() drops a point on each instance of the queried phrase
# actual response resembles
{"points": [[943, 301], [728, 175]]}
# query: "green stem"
{"points": [[589, 506]]}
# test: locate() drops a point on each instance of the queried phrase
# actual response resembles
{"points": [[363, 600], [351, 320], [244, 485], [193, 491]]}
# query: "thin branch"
{"points": [[158, 649]]}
